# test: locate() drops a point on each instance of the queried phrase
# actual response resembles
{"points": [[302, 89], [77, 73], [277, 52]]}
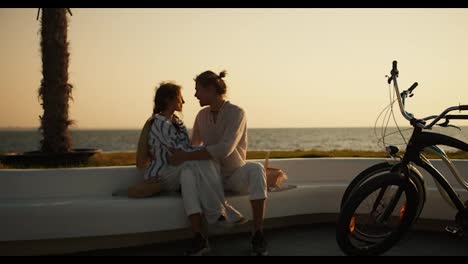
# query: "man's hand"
{"points": [[178, 157]]}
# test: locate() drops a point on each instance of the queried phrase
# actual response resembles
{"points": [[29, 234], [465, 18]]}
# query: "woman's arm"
{"points": [[164, 133], [220, 151], [179, 156]]}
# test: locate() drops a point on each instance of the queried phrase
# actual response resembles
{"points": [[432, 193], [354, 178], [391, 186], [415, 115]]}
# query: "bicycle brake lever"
{"points": [[406, 94], [455, 127], [446, 124]]}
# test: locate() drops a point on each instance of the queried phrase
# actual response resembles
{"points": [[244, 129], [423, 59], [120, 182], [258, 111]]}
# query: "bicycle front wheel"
{"points": [[375, 170], [377, 215]]}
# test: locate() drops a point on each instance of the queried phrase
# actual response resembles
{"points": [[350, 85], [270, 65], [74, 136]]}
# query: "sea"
{"points": [[269, 139]]}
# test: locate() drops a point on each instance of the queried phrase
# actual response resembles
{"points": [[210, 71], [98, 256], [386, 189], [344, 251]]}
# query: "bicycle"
{"points": [[378, 210]]}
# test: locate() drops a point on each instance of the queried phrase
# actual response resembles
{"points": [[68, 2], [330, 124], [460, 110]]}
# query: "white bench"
{"points": [[65, 204]]}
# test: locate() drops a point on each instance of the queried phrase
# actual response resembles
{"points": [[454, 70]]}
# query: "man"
{"points": [[221, 128]]}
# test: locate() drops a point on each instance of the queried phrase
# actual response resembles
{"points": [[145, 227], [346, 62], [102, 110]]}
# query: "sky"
{"points": [[286, 67]]}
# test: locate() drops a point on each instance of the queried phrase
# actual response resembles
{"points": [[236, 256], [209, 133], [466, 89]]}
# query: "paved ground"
{"points": [[313, 240]]}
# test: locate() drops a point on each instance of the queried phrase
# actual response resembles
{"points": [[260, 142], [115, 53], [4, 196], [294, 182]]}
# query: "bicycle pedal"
{"points": [[454, 230]]}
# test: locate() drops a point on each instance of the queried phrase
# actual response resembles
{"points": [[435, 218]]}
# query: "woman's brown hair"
{"points": [[164, 94]]}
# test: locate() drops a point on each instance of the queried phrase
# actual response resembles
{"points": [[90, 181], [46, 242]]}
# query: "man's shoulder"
{"points": [[234, 109]]}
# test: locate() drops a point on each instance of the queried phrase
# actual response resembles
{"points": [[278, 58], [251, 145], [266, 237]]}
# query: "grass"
{"points": [[105, 159], [315, 154], [112, 159]]}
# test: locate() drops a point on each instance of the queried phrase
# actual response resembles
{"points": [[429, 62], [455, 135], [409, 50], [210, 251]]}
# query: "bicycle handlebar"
{"points": [[408, 116], [394, 68], [444, 115], [457, 117], [393, 72], [410, 90]]}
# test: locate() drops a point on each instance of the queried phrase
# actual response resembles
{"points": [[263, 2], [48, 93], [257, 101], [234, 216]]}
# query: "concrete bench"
{"points": [[73, 206]]}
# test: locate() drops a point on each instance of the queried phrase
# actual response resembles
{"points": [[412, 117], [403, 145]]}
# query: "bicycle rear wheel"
{"points": [[377, 215]]}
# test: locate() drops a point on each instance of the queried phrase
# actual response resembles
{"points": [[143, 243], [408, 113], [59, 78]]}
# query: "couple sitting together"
{"points": [[209, 162]]}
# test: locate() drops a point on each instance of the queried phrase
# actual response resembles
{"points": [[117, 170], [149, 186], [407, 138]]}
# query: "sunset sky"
{"points": [[286, 67]]}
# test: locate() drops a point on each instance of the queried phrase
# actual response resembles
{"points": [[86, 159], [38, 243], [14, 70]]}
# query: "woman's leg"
{"points": [[190, 194], [211, 193], [202, 192], [183, 178], [171, 181]]}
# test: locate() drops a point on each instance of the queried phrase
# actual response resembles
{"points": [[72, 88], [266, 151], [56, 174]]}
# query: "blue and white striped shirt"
{"points": [[163, 136]]}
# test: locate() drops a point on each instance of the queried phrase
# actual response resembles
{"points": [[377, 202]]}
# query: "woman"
{"points": [[199, 181]]}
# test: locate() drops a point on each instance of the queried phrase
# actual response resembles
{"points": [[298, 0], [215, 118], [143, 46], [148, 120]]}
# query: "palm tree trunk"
{"points": [[55, 91]]}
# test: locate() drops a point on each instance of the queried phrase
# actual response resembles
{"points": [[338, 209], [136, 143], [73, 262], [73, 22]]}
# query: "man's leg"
{"points": [[251, 178], [258, 212], [196, 223]]}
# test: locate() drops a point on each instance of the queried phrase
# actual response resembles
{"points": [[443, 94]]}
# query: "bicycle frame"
{"points": [[421, 141], [449, 164], [427, 142]]}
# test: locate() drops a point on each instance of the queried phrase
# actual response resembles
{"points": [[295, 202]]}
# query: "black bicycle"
{"points": [[383, 203]]}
